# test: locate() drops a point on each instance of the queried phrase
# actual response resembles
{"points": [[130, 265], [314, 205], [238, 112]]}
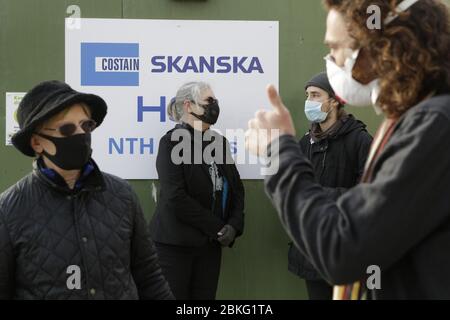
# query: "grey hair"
{"points": [[190, 91]]}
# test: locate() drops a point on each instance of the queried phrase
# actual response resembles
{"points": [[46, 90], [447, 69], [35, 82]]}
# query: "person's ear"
{"points": [[332, 103], [187, 106], [335, 103], [36, 144]]}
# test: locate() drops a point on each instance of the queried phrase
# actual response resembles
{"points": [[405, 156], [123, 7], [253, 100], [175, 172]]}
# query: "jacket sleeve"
{"points": [[374, 223], [237, 210], [6, 262], [145, 268], [334, 193], [172, 184], [236, 217]]}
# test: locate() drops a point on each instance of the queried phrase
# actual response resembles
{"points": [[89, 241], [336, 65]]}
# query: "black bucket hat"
{"points": [[45, 100]]}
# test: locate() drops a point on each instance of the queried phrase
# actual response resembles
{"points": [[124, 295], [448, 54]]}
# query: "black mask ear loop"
{"points": [[44, 152], [194, 114], [199, 117]]}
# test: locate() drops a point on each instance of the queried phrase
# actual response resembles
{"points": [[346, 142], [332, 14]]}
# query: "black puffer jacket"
{"points": [[45, 229], [338, 162]]}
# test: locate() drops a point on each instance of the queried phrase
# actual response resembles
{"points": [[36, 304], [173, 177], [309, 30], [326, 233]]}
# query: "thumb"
{"points": [[222, 231], [275, 98]]}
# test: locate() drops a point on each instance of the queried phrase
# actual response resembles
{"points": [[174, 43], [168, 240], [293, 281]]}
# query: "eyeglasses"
{"points": [[210, 100], [68, 129]]}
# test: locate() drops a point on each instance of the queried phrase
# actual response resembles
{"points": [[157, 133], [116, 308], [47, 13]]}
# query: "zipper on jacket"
{"points": [[323, 164], [80, 245]]}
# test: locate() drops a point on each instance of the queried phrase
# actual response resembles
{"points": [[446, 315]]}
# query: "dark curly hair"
{"points": [[410, 55]]}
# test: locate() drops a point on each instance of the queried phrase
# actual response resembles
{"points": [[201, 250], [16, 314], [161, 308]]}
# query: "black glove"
{"points": [[226, 235]]}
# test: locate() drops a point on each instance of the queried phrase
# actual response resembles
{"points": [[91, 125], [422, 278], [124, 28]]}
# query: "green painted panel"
{"points": [[32, 50]]}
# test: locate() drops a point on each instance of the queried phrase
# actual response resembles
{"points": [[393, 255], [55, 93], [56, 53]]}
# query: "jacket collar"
{"points": [[91, 179]]}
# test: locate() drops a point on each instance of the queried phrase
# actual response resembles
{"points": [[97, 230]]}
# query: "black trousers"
{"points": [[192, 272], [319, 290]]}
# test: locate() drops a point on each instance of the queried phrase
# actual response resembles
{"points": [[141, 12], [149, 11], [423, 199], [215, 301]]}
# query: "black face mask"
{"points": [[72, 152], [211, 113]]}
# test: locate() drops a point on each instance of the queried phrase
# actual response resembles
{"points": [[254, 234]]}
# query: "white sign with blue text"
{"points": [[138, 65]]}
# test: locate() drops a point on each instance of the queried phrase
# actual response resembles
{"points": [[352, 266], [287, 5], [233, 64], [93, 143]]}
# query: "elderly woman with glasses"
{"points": [[201, 202], [68, 230]]}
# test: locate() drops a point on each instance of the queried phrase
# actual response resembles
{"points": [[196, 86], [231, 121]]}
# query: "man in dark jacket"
{"points": [[68, 230], [337, 146], [390, 233]]}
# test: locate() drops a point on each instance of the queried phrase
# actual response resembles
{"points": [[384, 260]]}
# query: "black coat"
{"points": [[45, 228], [184, 214], [400, 221], [338, 163]]}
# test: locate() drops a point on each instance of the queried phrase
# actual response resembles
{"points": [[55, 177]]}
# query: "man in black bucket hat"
{"points": [[68, 230]]}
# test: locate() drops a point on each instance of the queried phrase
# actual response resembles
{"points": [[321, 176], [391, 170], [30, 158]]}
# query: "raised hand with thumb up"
{"points": [[268, 125]]}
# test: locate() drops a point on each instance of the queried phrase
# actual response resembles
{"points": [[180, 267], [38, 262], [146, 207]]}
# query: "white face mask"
{"points": [[350, 90]]}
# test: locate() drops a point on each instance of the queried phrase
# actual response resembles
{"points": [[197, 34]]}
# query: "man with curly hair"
{"points": [[398, 219]]}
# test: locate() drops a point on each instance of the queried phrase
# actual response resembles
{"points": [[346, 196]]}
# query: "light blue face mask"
{"points": [[313, 111]]}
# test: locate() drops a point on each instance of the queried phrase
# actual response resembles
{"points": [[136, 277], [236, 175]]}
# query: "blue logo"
{"points": [[109, 64], [201, 64]]}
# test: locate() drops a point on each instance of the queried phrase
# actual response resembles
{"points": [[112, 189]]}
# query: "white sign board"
{"points": [[11, 125], [138, 65]]}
